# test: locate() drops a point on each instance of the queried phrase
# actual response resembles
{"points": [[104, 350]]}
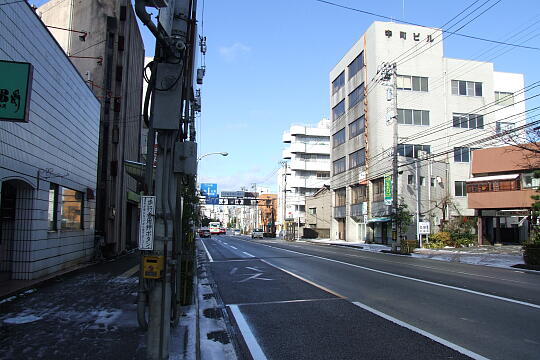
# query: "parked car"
{"points": [[237, 232], [257, 233], [204, 233]]}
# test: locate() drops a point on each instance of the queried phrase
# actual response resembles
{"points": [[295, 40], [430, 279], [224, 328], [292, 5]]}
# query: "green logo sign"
{"points": [[15, 89], [388, 189]]}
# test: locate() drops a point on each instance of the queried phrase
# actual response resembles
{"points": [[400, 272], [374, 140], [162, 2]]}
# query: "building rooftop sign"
{"points": [[15, 90]]}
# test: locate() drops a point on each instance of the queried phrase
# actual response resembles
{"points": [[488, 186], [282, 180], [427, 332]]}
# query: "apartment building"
{"points": [[445, 109], [306, 170]]}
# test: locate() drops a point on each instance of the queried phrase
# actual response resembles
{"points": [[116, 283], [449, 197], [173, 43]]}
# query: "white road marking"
{"points": [[225, 243], [446, 343], [207, 252], [414, 279], [234, 247], [256, 276], [249, 338], [305, 280], [129, 272], [254, 268], [248, 254], [233, 270]]}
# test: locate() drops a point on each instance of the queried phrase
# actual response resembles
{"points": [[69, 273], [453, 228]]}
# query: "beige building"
{"points": [[444, 106], [319, 213], [110, 57]]}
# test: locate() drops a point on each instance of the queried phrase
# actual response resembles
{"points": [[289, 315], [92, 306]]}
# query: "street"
{"points": [[306, 301]]}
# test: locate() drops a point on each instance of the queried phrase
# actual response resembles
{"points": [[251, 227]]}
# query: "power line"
{"points": [[415, 24]]}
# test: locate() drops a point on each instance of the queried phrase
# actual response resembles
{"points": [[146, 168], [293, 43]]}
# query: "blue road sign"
{"points": [[209, 190]]}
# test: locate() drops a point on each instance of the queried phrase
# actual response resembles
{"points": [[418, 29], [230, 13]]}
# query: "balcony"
{"points": [[317, 148], [286, 154], [339, 211], [319, 165], [358, 210], [286, 138]]}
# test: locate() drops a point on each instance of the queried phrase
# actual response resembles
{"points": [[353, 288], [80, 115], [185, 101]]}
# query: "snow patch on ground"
{"points": [[497, 256], [23, 319]]}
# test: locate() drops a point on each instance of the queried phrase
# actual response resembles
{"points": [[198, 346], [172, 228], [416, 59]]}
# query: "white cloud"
{"points": [[233, 52]]}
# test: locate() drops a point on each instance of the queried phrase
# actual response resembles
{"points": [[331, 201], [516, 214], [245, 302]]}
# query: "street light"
{"points": [[214, 153]]}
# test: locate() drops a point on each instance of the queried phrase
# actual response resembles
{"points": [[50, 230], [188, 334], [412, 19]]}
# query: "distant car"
{"points": [[237, 232], [204, 233], [223, 230], [257, 233]]}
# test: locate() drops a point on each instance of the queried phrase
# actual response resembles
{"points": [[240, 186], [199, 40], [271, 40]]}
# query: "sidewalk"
{"points": [[487, 255]]}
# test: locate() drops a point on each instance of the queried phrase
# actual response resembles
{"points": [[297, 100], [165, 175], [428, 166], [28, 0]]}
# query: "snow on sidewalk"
{"points": [[497, 256]]}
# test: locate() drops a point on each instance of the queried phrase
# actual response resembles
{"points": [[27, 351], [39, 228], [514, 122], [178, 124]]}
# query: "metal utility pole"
{"points": [[172, 118], [284, 224]]}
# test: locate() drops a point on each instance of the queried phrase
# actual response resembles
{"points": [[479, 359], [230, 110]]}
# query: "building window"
{"points": [[410, 180], [422, 181], [53, 207], [338, 83], [356, 96], [462, 154], [338, 110], [411, 150], [341, 197], [378, 189], [412, 83], [357, 127], [433, 182], [468, 121], [460, 188], [504, 98], [312, 211], [323, 175], [338, 138], [356, 65], [71, 211], [312, 157], [339, 166], [529, 181], [357, 158], [413, 117], [466, 88], [358, 194], [501, 126]]}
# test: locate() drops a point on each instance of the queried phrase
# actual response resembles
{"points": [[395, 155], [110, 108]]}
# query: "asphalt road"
{"points": [[306, 301]]}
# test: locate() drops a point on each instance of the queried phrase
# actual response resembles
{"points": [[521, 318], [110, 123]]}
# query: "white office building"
{"points": [[445, 107], [306, 170]]}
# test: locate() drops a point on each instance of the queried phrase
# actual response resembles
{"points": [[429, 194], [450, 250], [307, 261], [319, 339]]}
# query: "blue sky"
{"points": [[268, 64]]}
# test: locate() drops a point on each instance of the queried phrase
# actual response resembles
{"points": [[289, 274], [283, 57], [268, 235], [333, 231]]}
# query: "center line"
{"points": [[234, 247], [248, 254]]}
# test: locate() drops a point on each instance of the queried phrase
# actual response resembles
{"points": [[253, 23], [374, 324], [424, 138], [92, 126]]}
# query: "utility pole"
{"points": [[389, 75], [172, 119], [284, 224]]}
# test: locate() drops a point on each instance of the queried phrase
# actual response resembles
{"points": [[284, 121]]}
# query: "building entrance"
{"points": [[15, 223]]}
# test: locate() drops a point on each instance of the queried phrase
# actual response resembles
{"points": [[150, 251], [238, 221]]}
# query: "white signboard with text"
{"points": [[423, 227], [146, 227]]}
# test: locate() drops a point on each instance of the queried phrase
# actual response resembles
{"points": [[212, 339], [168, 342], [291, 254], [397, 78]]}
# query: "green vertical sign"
{"points": [[388, 189], [15, 89]]}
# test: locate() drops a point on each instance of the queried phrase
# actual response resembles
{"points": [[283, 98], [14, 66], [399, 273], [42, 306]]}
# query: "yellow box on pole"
{"points": [[153, 267]]}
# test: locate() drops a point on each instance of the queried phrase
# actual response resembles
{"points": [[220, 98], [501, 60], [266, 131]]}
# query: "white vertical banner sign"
{"points": [[146, 227]]}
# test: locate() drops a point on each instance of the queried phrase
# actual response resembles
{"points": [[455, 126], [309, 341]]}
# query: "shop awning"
{"points": [[379, 219], [493, 178], [136, 169]]}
